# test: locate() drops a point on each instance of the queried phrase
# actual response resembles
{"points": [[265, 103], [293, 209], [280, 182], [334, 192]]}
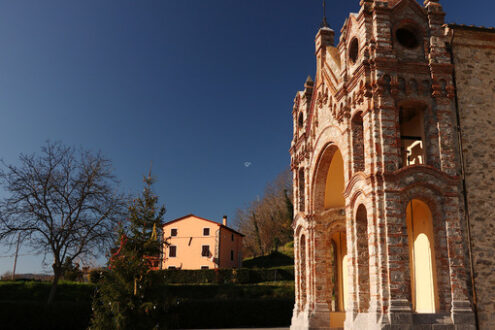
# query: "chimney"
{"points": [[224, 221]]}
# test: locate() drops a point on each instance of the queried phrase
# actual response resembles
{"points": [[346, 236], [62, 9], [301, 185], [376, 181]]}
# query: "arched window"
{"points": [[301, 190], [357, 142], [412, 135], [422, 257]]}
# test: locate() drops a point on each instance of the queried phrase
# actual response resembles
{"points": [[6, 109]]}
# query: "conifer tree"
{"points": [[125, 297]]}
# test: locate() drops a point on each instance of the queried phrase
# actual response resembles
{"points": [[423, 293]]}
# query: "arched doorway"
{"points": [[422, 262], [330, 205]]}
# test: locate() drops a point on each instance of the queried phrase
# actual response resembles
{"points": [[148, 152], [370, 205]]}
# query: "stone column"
{"points": [[320, 315], [461, 310], [400, 309]]}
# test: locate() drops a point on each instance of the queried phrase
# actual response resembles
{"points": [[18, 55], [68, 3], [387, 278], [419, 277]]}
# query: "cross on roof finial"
{"points": [[324, 24]]}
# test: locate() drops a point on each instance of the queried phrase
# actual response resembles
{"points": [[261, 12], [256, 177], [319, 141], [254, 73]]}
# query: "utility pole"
{"points": [[16, 254]]}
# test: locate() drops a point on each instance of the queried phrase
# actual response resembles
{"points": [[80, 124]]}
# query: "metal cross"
{"points": [[324, 23]]}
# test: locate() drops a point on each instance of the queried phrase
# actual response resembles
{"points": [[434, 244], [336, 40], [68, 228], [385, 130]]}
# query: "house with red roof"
{"points": [[192, 242]]}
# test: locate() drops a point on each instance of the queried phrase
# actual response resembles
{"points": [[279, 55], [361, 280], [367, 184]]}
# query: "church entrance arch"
{"points": [[329, 206]]}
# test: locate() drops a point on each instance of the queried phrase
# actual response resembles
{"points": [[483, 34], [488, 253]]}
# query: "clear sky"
{"points": [[202, 88]]}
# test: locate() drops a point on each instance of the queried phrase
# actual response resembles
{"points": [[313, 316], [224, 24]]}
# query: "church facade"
{"points": [[393, 174]]}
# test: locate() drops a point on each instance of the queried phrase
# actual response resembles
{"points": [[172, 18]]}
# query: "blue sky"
{"points": [[198, 87]]}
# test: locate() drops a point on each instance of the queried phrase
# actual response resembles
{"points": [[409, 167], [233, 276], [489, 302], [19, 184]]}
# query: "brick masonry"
{"points": [[363, 86]]}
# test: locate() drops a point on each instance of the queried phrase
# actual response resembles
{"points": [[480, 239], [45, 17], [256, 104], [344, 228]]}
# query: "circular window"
{"points": [[354, 50], [407, 38]]}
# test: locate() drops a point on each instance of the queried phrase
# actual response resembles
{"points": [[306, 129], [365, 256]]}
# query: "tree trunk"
{"points": [[258, 236], [57, 273]]}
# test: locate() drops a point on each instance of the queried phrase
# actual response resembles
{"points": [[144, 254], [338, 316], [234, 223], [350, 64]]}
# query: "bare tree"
{"points": [[267, 222], [63, 202]]}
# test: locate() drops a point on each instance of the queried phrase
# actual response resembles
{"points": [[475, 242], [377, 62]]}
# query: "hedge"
{"points": [[214, 314], [185, 314], [225, 276], [39, 291], [229, 292], [35, 315], [22, 305]]}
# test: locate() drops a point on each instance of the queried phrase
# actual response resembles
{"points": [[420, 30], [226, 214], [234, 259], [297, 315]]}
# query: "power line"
{"points": [[20, 255]]}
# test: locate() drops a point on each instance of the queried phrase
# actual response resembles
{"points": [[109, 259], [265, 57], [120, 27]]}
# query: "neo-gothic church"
{"points": [[392, 159]]}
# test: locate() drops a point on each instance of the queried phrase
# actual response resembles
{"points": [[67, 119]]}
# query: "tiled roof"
{"points": [[471, 27], [204, 219]]}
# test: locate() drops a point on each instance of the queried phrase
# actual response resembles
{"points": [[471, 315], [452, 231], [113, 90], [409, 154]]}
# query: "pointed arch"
{"points": [[329, 180]]}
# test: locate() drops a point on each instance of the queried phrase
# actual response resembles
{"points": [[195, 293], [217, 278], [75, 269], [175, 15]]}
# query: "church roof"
{"points": [[471, 27]]}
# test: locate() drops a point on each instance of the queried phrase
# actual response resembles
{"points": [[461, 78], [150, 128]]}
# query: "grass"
{"points": [[274, 259], [284, 256], [287, 249]]}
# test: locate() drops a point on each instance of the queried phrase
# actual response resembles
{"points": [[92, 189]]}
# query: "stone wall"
{"points": [[474, 59]]}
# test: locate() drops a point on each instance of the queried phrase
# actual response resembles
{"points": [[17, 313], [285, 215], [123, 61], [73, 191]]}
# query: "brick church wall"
{"points": [[474, 59]]}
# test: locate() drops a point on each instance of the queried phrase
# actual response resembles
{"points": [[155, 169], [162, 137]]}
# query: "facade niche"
{"points": [[363, 259], [302, 280], [412, 136], [354, 50], [358, 142], [301, 190]]}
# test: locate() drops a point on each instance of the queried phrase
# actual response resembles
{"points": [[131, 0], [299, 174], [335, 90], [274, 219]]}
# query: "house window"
{"points": [[172, 252], [171, 267], [205, 252], [205, 267], [232, 237], [173, 232], [232, 255], [206, 231]]}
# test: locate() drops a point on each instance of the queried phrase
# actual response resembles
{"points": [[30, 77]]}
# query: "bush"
{"points": [[96, 274]]}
